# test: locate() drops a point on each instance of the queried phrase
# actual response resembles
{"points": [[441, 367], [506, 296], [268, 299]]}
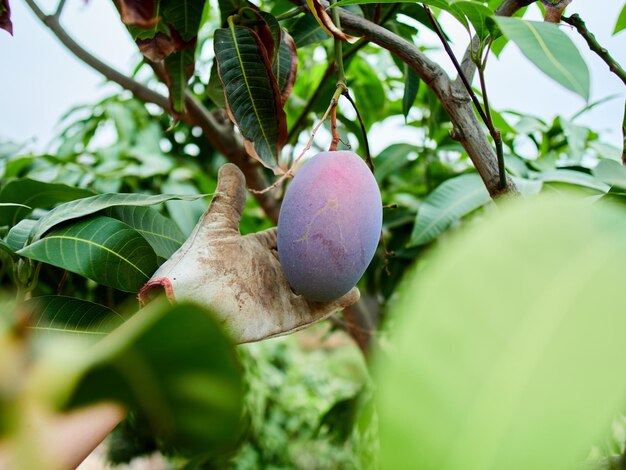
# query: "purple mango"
{"points": [[329, 225]]}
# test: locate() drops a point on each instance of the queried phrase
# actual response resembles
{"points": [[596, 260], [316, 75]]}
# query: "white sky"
{"points": [[40, 80]]}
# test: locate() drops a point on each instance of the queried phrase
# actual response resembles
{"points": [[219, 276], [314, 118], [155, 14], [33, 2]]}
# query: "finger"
{"points": [[267, 238], [227, 205]]}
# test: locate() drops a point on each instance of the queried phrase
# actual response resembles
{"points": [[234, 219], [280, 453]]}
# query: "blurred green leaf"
{"points": [[573, 177], [551, 50], [450, 201], [58, 314], [88, 246], [508, 346], [174, 366], [611, 172]]}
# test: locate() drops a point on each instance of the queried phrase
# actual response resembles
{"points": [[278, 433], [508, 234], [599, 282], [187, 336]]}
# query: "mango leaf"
{"points": [[230, 7], [443, 4], [611, 172], [176, 368], [162, 233], [59, 314], [85, 247], [79, 208], [476, 13], [573, 177], [252, 96], [183, 16], [507, 343], [620, 24], [179, 68], [19, 233], [392, 159], [215, 90], [451, 200], [306, 30], [33, 193], [326, 23], [5, 17], [551, 50], [411, 87], [285, 66]]}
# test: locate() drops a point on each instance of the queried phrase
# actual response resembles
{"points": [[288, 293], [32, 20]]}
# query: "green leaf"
{"points": [[33, 193], [285, 66], [100, 248], [183, 16], [252, 94], [162, 233], [54, 314], [411, 87], [573, 177], [19, 233], [306, 31], [75, 209], [392, 159], [215, 90], [611, 172], [174, 366], [551, 50], [450, 201], [476, 13], [179, 68], [507, 343], [620, 24]]}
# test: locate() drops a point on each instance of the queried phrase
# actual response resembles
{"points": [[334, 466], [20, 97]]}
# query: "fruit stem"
{"points": [[341, 74]]}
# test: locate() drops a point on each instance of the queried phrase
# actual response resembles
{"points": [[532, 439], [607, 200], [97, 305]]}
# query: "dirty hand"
{"points": [[238, 277]]}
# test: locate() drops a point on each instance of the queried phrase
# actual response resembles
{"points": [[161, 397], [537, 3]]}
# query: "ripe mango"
{"points": [[329, 225]]}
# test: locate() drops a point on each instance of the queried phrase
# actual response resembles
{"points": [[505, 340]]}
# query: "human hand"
{"points": [[238, 277]]}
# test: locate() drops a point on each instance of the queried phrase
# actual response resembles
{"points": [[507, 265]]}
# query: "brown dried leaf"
{"points": [[5, 17], [325, 21], [157, 48], [138, 13]]}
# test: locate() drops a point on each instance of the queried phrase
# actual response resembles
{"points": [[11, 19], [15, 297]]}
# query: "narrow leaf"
{"points": [[325, 21], [285, 66], [179, 68], [306, 30], [60, 314], [411, 87], [551, 50], [85, 247], [5, 17], [450, 201], [252, 96], [620, 24], [162, 233], [75, 209]]}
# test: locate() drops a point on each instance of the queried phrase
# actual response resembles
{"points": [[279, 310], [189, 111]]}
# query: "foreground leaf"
{"points": [[175, 367], [450, 201], [253, 99], [100, 248], [54, 314], [75, 209], [549, 48], [507, 348]]}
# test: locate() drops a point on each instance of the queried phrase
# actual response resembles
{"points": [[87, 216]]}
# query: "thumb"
{"points": [[225, 210]]}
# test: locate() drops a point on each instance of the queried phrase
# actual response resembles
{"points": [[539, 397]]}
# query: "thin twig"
{"points": [[59, 9], [495, 133], [457, 66], [576, 21], [368, 156]]}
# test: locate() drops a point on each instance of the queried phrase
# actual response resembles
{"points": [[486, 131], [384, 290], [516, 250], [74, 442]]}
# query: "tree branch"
{"points": [[221, 136], [467, 129], [576, 21]]}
